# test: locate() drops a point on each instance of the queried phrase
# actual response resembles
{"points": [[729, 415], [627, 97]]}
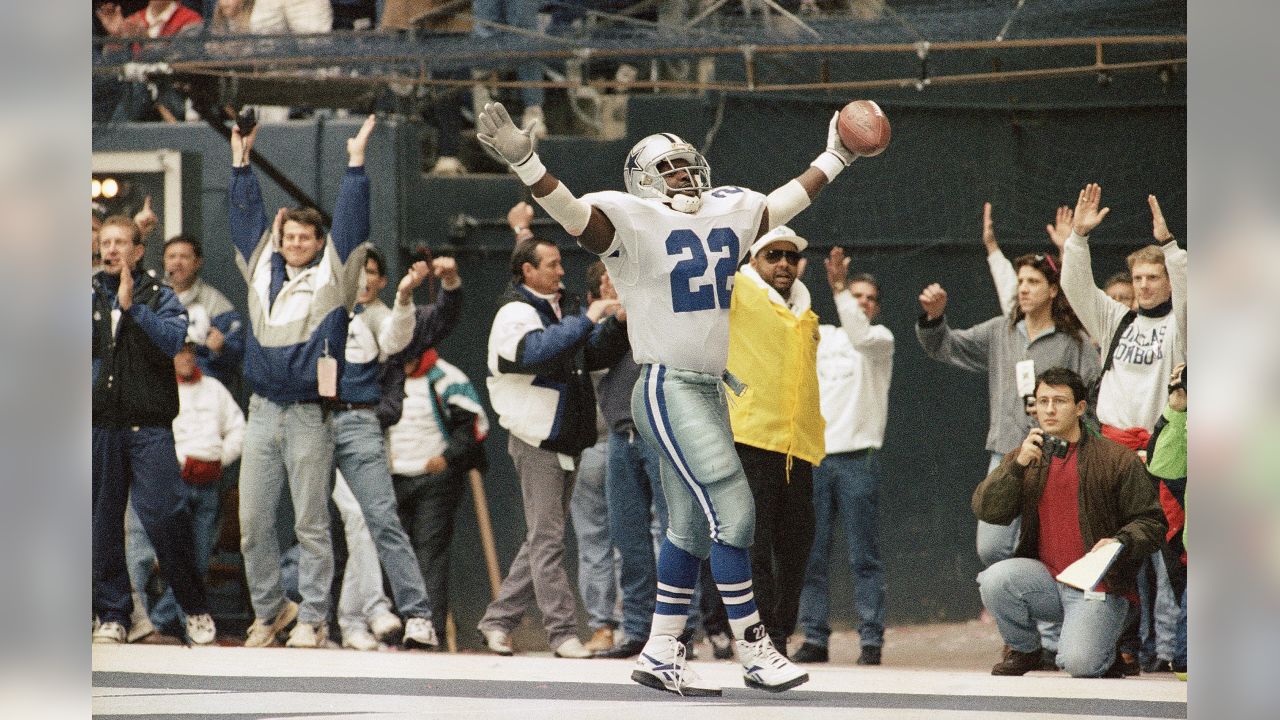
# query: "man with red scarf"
{"points": [[1140, 349]]}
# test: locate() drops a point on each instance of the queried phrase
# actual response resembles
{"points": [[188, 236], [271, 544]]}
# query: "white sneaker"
{"points": [[109, 633], [764, 668], [420, 633], [661, 665], [386, 627], [140, 624], [263, 634], [200, 629], [497, 641], [359, 639], [308, 635], [572, 648]]}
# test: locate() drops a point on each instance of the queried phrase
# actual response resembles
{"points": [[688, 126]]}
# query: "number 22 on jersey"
{"points": [[705, 297]]}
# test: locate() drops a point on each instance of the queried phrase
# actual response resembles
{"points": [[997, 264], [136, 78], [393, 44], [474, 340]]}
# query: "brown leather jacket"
{"points": [[1116, 500]]}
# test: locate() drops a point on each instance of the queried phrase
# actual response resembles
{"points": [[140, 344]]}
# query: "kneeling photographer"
{"points": [[1074, 492]]}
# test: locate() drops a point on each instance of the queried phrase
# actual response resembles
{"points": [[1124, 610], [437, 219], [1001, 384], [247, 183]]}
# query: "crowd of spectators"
{"points": [[350, 400]]}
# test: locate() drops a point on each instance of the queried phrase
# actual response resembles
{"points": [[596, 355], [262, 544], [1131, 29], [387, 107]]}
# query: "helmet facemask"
{"points": [[663, 167]]}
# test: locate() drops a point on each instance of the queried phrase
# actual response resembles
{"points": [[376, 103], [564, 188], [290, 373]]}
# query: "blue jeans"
{"points": [[361, 456], [287, 445], [998, 542], [1159, 611], [203, 502], [597, 575], [140, 462], [361, 598], [1020, 592], [634, 494], [516, 13], [847, 484], [1180, 639]]}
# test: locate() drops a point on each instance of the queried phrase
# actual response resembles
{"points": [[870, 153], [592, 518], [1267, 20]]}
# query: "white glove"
{"points": [[835, 146], [495, 129]]}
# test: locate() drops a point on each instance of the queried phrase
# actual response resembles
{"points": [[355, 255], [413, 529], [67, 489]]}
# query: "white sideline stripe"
{"points": [[672, 454], [731, 587], [738, 600], [674, 589]]}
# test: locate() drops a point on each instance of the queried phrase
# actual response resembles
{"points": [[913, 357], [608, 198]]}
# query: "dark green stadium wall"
{"points": [[910, 216]]}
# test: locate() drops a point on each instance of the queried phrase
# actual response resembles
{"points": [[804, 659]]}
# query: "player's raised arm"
{"points": [[789, 200], [586, 223]]}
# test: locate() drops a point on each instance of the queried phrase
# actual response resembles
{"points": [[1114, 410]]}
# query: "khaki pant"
{"points": [[537, 573]]}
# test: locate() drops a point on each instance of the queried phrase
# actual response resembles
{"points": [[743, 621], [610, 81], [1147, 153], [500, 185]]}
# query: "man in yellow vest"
{"points": [[777, 422]]}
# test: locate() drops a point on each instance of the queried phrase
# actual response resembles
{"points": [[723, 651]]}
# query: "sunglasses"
{"points": [[776, 255]]}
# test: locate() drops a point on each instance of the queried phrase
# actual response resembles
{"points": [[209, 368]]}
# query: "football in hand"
{"points": [[863, 128]]}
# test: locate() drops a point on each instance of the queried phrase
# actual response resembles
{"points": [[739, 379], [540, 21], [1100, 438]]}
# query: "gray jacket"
{"points": [[995, 347]]}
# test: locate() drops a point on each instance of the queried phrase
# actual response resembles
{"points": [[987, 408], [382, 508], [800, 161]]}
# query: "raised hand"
{"points": [[933, 300], [413, 278], [1087, 214], [519, 217], [356, 145], [837, 270], [277, 226], [1060, 230], [146, 219], [835, 146], [111, 17], [495, 129], [242, 145], [989, 230], [1159, 229], [445, 268]]}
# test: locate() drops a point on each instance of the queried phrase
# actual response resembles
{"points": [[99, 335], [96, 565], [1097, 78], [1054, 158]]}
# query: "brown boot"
{"points": [[601, 639], [1017, 663]]}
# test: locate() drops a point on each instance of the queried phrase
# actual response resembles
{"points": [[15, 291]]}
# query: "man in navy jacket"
{"points": [[302, 286], [138, 326], [541, 349]]}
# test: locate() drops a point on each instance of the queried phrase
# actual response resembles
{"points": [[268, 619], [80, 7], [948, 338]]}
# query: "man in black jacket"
{"points": [[541, 349], [138, 326]]}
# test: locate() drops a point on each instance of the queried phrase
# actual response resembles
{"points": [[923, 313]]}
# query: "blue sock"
{"points": [[731, 567], [677, 576]]}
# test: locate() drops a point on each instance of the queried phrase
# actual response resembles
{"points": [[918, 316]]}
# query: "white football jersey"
{"points": [[674, 272]]}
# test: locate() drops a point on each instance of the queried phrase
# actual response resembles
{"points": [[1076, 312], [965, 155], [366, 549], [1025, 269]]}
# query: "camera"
{"points": [[1054, 446]]}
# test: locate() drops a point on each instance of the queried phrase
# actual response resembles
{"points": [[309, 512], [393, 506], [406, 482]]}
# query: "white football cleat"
{"points": [[661, 665], [764, 668]]}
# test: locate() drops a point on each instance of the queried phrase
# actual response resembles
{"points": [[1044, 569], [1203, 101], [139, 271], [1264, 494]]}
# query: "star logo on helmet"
{"points": [[631, 163]]}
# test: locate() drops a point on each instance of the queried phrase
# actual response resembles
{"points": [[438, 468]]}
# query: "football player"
{"points": [[672, 243]]}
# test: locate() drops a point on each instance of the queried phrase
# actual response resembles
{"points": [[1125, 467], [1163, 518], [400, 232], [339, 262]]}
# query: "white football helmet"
{"points": [[652, 161]]}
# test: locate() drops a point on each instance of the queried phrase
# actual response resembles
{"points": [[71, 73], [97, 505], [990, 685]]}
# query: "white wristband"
{"points": [[829, 164], [531, 170]]}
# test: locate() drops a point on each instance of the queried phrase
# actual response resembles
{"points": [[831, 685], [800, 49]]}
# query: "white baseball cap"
{"points": [[782, 232]]}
